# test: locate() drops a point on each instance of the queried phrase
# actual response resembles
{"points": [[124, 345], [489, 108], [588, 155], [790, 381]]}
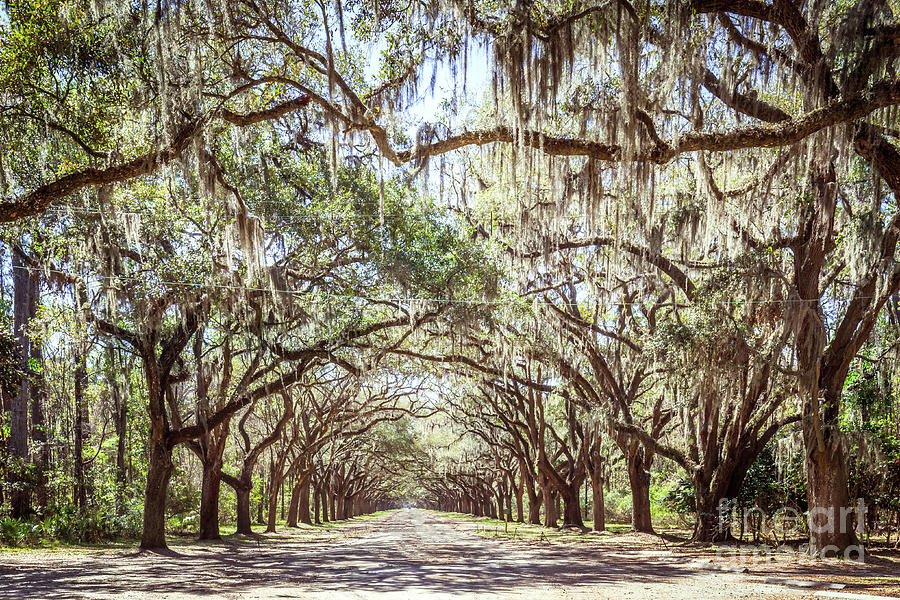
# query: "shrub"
{"points": [[17, 532]]}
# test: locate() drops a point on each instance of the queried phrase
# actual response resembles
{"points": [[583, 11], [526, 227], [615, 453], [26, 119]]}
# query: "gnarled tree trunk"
{"points": [[160, 469], [571, 506], [832, 524], [639, 482], [551, 508], [209, 499]]}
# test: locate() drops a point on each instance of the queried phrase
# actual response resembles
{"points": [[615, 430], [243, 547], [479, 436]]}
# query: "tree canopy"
{"points": [[601, 243]]}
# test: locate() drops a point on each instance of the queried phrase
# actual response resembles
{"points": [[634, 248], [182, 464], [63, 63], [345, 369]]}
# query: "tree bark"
{"points": [[823, 371], [209, 499], [159, 473], [80, 491], [341, 512], [828, 493], [18, 424], [571, 506], [276, 481], [551, 510], [535, 501], [713, 525], [317, 498], [598, 509], [517, 494], [294, 505], [40, 447], [304, 515], [298, 512], [120, 418], [242, 494], [593, 465], [639, 482]]}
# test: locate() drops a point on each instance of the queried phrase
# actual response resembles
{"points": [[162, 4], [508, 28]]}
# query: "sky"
{"points": [[428, 106]]}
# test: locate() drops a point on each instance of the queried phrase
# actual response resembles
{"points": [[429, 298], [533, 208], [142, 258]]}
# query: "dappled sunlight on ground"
{"points": [[406, 554]]}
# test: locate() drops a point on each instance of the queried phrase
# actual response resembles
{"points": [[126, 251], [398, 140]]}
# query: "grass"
{"points": [[497, 528]]}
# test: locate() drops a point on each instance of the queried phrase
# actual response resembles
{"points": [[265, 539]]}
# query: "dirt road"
{"points": [[409, 554]]}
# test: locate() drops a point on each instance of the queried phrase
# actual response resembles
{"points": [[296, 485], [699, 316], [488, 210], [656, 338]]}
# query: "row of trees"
{"points": [[671, 226], [234, 334]]}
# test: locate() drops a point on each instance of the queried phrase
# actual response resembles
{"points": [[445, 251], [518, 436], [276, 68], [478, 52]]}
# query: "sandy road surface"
{"points": [[409, 554]]}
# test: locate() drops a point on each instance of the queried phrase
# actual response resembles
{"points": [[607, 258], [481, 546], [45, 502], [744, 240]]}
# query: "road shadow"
{"points": [[410, 552]]}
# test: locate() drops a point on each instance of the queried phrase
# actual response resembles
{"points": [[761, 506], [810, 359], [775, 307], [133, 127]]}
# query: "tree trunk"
{"points": [[534, 506], [120, 421], [209, 499], [551, 512], [18, 444], [520, 506], [80, 491], [832, 526], [534, 499], [712, 490], [824, 371], [242, 486], [159, 473], [304, 515], [317, 499], [571, 506], [639, 481], [713, 523], [554, 495], [18, 424], [293, 506], [242, 494], [259, 511], [598, 508], [275, 485], [593, 465], [40, 447], [708, 528]]}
